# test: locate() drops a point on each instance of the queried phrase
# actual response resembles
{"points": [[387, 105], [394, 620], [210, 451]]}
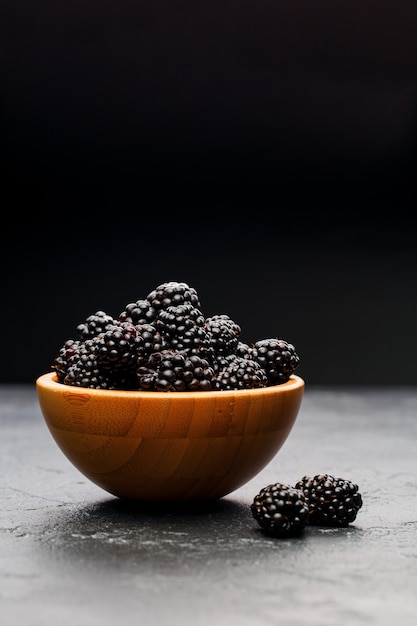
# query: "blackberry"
{"points": [[83, 369], [235, 372], [247, 351], [175, 320], [193, 340], [224, 333], [281, 510], [61, 362], [202, 373], [94, 325], [117, 348], [173, 293], [147, 378], [182, 328], [149, 340], [278, 358], [139, 312], [170, 370], [221, 362], [332, 501]]}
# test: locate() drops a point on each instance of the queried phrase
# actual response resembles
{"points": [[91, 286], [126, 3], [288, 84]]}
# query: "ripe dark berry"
{"points": [[182, 329], [61, 362], [281, 510], [172, 293], [247, 351], [278, 358], [83, 369], [94, 325], [117, 348], [332, 501], [224, 334], [148, 340], [175, 320], [170, 370], [139, 312], [235, 372]]}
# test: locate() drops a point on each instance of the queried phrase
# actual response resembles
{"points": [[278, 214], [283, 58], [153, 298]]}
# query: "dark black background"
{"points": [[263, 152]]}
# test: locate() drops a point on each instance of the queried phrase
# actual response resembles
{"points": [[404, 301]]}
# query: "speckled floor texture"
{"points": [[72, 554]]}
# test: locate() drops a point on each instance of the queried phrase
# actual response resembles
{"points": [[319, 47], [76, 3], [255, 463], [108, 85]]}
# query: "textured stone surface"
{"points": [[71, 552]]}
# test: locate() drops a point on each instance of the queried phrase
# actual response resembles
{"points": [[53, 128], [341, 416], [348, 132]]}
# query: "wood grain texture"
{"points": [[169, 446]]}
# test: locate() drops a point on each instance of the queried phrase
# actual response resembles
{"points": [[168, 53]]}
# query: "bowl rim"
{"points": [[49, 382]]}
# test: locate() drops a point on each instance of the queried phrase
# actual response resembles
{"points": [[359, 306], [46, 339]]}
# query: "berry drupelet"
{"points": [[332, 501], [281, 510]]}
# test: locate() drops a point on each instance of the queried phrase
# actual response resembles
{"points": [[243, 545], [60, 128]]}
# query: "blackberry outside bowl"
{"points": [[169, 446]]}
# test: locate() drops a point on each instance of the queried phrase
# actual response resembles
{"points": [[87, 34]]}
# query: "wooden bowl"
{"points": [[169, 446]]}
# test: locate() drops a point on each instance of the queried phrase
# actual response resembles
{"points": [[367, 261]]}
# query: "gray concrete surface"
{"points": [[72, 554]]}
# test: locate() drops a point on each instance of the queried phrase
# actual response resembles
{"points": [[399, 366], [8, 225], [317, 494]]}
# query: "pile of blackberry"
{"points": [[321, 500], [164, 342]]}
